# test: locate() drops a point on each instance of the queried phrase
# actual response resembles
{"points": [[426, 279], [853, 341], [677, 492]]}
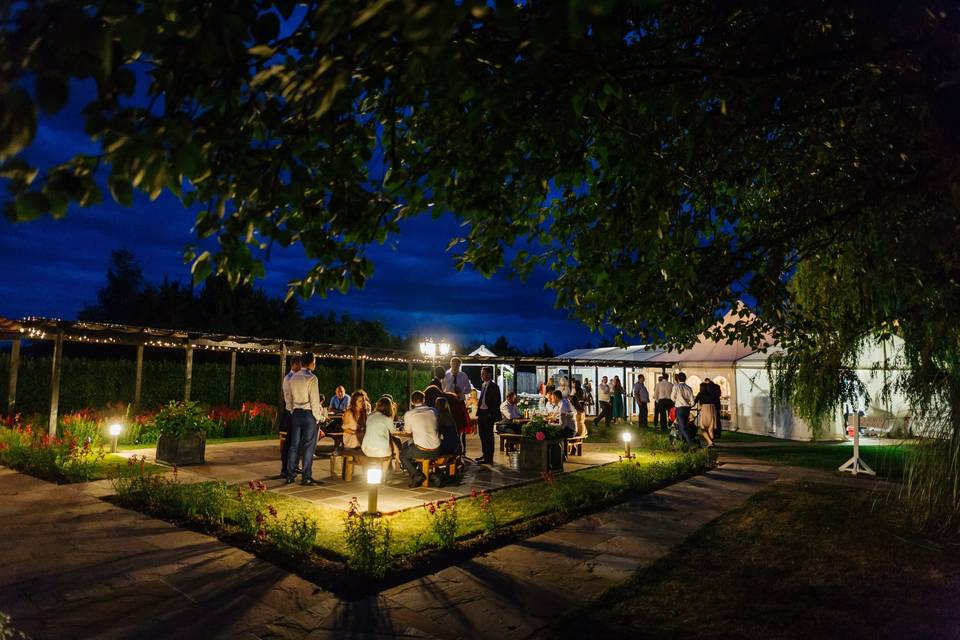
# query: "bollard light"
{"points": [[374, 478], [115, 430], [627, 437]]}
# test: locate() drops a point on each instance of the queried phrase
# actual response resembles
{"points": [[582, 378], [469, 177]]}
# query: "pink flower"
{"points": [[541, 435], [473, 494]]}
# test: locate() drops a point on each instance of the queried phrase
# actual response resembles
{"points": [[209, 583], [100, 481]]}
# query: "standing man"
{"points": [[307, 415], [603, 395], [286, 420], [488, 414], [642, 397], [683, 399], [456, 381], [662, 392]]}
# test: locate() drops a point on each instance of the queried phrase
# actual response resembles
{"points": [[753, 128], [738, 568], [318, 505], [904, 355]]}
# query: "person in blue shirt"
{"points": [[340, 401]]}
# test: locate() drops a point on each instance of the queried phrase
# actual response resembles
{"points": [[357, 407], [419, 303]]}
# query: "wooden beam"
{"points": [[14, 371], [516, 374], [189, 374], [55, 383], [138, 384], [363, 373], [233, 378]]}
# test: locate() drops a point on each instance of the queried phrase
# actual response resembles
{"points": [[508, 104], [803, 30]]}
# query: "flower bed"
{"points": [[61, 459], [355, 554]]}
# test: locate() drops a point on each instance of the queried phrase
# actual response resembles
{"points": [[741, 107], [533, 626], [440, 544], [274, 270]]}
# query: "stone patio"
{"points": [[78, 567], [240, 462]]}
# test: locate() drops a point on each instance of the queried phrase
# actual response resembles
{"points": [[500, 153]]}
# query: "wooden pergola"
{"points": [[139, 338]]}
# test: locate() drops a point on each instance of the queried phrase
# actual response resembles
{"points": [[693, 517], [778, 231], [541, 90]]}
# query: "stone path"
{"points": [[76, 567], [239, 462]]}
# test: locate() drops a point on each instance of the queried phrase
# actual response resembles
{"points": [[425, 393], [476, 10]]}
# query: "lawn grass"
{"points": [[889, 461], [411, 528], [796, 561]]}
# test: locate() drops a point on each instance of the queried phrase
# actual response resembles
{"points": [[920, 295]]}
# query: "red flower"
{"points": [[541, 435], [272, 510], [473, 494], [251, 486]]}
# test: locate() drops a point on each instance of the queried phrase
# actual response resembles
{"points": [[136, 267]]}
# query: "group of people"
{"points": [[679, 396], [437, 423], [610, 395]]}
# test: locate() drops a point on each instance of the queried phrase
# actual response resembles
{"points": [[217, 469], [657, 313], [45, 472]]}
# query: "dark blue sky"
{"points": [[52, 267]]}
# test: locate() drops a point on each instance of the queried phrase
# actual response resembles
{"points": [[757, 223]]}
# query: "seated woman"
{"points": [[447, 429], [376, 439], [355, 421]]}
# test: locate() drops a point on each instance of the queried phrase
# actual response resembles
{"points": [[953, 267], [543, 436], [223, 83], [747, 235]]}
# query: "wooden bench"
{"points": [[452, 463], [510, 442], [352, 460], [574, 445]]}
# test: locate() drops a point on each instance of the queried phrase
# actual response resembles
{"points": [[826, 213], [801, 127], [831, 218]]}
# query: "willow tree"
{"points": [[665, 159]]}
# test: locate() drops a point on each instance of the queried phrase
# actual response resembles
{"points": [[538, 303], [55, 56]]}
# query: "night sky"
{"points": [[52, 267]]}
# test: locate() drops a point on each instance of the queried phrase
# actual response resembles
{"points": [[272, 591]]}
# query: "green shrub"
{"points": [[540, 425], [368, 542], [52, 458], [444, 519], [295, 535], [179, 419]]}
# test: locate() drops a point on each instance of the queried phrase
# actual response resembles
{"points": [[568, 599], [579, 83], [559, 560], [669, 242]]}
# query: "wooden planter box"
{"points": [[541, 455], [182, 451]]}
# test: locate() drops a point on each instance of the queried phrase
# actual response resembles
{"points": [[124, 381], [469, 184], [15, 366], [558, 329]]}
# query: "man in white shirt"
{"points": [[456, 381], [642, 397], [682, 397], [603, 396], [662, 403], [551, 410], [286, 420], [421, 423], [307, 410], [509, 409]]}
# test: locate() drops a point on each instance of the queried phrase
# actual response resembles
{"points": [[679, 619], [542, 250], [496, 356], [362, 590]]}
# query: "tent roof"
{"points": [[483, 351]]}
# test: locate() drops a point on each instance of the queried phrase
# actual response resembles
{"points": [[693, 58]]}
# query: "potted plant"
{"points": [[542, 446], [182, 433]]}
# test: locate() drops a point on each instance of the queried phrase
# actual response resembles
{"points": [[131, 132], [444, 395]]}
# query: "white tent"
{"points": [[745, 385]]}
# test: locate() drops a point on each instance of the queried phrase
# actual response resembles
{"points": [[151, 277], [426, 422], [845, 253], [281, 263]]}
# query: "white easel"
{"points": [[855, 465]]}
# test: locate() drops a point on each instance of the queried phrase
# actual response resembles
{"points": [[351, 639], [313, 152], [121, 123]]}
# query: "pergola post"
{"points": [[14, 371], [626, 396], [596, 391], [353, 374], [138, 380], [233, 378], [189, 374], [55, 383], [363, 373], [409, 381], [516, 374], [283, 370]]}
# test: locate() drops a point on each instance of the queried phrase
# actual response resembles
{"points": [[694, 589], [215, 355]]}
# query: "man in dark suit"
{"points": [[488, 413], [715, 391]]}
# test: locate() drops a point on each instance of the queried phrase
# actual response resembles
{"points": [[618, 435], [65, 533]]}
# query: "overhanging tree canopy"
{"points": [[695, 152]]}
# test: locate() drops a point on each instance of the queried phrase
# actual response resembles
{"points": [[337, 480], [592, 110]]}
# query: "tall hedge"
{"points": [[95, 383]]}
